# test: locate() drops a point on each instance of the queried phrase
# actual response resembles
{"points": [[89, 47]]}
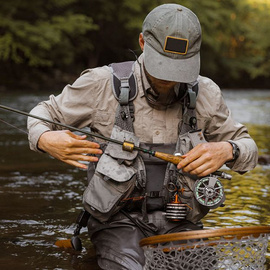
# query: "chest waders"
{"points": [[134, 181]]}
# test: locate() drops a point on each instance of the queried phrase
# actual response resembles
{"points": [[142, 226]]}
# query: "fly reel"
{"points": [[209, 192]]}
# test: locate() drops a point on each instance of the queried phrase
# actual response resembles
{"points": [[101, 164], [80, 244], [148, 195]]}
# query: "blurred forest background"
{"points": [[45, 44]]}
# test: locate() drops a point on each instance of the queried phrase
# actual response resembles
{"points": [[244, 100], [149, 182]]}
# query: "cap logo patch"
{"points": [[176, 45]]}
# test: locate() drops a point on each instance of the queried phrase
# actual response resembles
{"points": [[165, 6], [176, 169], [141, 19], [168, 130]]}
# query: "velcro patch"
{"points": [[176, 45]]}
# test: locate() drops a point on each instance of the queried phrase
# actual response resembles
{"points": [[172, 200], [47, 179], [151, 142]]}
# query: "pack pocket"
{"points": [[183, 144], [195, 211], [189, 140], [111, 183]]}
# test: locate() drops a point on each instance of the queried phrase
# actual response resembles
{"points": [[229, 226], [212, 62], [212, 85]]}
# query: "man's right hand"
{"points": [[69, 147]]}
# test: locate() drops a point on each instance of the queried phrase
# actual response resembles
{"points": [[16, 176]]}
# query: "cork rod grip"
{"points": [[167, 157]]}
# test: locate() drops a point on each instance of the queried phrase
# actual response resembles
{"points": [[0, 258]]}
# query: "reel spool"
{"points": [[175, 210], [209, 192]]}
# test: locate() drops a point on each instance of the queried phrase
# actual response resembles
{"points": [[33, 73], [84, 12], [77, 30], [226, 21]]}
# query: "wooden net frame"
{"points": [[226, 248]]}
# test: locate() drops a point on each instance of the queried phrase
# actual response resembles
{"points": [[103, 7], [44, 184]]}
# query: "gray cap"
{"points": [[172, 35]]}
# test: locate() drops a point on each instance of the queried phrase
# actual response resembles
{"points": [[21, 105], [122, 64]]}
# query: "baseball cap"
{"points": [[172, 35]]}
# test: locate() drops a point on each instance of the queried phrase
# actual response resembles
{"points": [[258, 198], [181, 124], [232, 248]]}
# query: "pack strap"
{"points": [[189, 105], [192, 93], [124, 82]]}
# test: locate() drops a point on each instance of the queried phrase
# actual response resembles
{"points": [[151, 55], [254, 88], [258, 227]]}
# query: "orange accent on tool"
{"points": [[181, 190], [176, 199], [133, 198]]}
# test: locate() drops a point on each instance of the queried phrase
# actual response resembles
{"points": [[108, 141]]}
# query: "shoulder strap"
{"points": [[192, 92], [124, 81], [189, 105], [188, 125]]}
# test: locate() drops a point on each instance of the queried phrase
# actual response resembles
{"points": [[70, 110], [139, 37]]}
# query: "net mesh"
{"points": [[246, 253]]}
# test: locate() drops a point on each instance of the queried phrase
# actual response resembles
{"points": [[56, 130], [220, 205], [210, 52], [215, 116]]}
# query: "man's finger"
{"points": [[76, 164], [74, 160], [75, 136], [82, 143], [88, 150], [82, 158]]}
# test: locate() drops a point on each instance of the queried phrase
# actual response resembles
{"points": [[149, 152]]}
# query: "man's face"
{"points": [[158, 85], [161, 86]]}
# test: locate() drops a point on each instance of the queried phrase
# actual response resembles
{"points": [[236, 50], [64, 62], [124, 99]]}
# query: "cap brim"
{"points": [[165, 68]]}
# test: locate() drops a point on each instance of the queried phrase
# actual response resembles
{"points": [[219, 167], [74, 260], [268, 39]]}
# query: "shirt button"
{"points": [[157, 132]]}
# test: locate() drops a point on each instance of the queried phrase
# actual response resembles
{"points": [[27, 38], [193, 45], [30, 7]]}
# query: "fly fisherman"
{"points": [[158, 102]]}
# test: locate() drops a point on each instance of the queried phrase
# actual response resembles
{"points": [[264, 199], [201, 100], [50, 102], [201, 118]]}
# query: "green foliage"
{"points": [[31, 39], [70, 35], [235, 42]]}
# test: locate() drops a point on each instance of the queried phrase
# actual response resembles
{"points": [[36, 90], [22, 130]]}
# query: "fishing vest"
{"points": [[132, 180]]}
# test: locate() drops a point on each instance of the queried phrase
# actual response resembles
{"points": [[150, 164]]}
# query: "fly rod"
{"points": [[126, 146]]}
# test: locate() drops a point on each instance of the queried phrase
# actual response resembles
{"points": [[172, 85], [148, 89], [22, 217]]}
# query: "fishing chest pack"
{"points": [[136, 182]]}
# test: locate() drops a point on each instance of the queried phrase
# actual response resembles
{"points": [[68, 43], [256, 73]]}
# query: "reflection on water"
{"points": [[247, 200], [37, 209], [251, 107], [41, 197]]}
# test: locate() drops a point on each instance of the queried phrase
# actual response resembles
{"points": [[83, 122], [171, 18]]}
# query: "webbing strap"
{"points": [[192, 95], [189, 105], [124, 91]]}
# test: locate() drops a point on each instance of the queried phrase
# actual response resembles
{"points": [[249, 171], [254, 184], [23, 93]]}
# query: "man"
{"points": [[165, 74]]}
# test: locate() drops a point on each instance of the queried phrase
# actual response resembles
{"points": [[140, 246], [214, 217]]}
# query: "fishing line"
{"points": [[128, 146], [13, 126]]}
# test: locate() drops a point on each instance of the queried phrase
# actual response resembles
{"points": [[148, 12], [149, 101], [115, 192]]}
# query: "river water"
{"points": [[40, 197]]}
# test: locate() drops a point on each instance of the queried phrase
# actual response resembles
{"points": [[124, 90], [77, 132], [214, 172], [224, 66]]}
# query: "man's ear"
{"points": [[141, 41]]}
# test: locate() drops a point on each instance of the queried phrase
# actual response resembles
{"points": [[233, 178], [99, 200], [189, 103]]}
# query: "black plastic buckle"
{"points": [[153, 194]]}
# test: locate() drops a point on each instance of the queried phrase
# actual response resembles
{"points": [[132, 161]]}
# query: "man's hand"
{"points": [[206, 158], [69, 147]]}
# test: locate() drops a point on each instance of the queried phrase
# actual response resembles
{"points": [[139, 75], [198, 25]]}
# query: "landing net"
{"points": [[231, 249]]}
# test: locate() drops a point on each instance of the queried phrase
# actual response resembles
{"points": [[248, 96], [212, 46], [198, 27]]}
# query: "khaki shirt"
{"points": [[89, 102]]}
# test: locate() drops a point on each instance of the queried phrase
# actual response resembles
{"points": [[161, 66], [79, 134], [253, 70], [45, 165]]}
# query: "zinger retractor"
{"points": [[209, 192]]}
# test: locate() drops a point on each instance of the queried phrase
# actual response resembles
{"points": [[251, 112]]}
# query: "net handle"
{"points": [[198, 234]]}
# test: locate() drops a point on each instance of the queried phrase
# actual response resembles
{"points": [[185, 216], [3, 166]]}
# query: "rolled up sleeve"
{"points": [[219, 125], [75, 106]]}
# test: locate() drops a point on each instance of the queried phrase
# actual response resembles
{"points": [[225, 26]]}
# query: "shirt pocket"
{"points": [[103, 122]]}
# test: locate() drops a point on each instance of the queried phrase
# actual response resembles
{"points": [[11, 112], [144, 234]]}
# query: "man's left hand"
{"points": [[206, 158]]}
